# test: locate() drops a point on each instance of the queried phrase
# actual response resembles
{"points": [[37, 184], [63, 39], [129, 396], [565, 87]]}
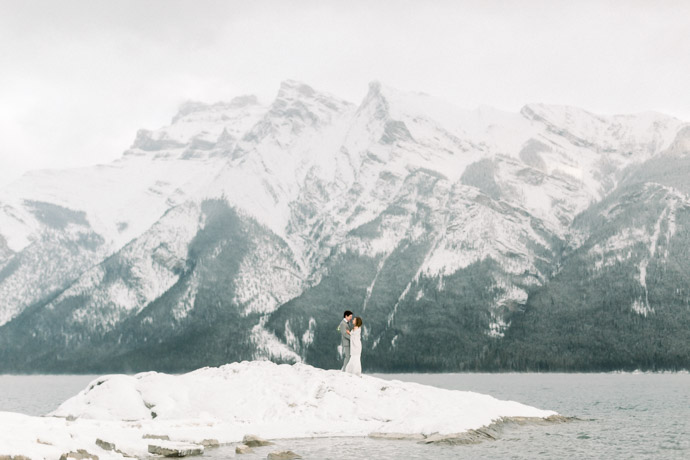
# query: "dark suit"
{"points": [[345, 341]]}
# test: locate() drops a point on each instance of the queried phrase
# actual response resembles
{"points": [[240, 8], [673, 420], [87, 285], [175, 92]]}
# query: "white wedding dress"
{"points": [[354, 366]]}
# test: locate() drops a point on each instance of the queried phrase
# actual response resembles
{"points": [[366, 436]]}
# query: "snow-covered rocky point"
{"points": [[119, 415]]}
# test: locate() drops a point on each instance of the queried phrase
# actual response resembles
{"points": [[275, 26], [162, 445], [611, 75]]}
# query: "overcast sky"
{"points": [[78, 78]]}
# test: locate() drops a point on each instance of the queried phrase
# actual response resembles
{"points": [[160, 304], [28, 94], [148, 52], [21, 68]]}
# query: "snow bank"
{"points": [[262, 398]]}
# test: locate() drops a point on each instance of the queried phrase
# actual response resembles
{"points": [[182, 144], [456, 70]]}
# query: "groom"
{"points": [[345, 327]]}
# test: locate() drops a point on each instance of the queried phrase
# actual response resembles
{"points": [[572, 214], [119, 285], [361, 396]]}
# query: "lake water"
{"points": [[622, 416]]}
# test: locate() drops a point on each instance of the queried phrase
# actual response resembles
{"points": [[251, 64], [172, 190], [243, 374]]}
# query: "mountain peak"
{"points": [[294, 93], [189, 107], [243, 101], [384, 102], [375, 100], [380, 91], [296, 106], [375, 88], [293, 88]]}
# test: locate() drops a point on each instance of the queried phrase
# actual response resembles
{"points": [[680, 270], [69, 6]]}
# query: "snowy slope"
{"points": [[496, 184], [401, 178], [258, 398], [115, 202]]}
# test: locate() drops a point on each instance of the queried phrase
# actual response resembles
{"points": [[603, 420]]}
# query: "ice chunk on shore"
{"points": [[262, 398]]}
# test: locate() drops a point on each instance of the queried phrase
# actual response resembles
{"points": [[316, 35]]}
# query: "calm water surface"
{"points": [[622, 416], [39, 394]]}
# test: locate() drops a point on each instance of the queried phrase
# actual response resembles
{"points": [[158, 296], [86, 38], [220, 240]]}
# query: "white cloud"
{"points": [[80, 77]]}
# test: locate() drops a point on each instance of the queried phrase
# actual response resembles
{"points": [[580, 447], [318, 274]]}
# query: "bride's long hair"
{"points": [[357, 321]]}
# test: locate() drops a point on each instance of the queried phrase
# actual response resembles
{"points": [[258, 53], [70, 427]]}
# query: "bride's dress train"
{"points": [[354, 366]]}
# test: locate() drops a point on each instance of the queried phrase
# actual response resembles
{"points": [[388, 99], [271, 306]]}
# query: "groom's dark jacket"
{"points": [[345, 337]]}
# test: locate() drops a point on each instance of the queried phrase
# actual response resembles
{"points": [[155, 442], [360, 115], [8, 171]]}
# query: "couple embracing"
{"points": [[351, 341]]}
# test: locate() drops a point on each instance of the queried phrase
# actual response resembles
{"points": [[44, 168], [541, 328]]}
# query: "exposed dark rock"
{"points": [[493, 431], [468, 437], [255, 441], [398, 436], [109, 446], [530, 153], [175, 450], [482, 174], [243, 449], [80, 454], [146, 141], [164, 437], [395, 131], [283, 455], [105, 445], [210, 443]]}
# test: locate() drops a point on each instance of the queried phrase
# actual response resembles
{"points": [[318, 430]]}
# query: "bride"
{"points": [[354, 366]]}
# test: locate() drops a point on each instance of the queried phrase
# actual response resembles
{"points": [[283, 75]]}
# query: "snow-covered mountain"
{"points": [[243, 230]]}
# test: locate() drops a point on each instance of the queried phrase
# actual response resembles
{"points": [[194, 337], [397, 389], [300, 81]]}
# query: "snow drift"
{"points": [[262, 398]]}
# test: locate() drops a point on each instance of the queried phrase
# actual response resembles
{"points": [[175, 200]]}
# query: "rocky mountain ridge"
{"points": [[242, 230]]}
